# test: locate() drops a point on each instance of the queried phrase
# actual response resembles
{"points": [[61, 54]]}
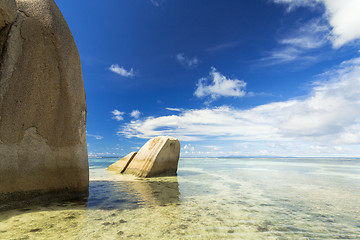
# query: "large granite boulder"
{"points": [[122, 164], [42, 102], [159, 156]]}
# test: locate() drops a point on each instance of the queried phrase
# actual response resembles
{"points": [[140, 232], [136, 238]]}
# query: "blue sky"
{"points": [[227, 78]]}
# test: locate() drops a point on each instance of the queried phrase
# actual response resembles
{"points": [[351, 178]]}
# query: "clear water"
{"points": [[209, 199]]}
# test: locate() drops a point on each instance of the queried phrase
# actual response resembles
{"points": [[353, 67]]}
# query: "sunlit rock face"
{"points": [[122, 164], [42, 103], [159, 156]]}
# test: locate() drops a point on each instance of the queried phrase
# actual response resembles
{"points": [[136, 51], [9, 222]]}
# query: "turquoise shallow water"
{"points": [[211, 198]]}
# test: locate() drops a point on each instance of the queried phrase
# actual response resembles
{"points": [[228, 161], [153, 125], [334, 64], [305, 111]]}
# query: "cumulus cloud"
{"points": [[328, 116], [122, 71], [135, 113], [189, 147], [117, 115], [343, 17], [217, 85], [189, 63]]}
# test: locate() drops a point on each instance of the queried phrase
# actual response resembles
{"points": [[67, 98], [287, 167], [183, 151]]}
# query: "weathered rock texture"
{"points": [[159, 156], [122, 164], [42, 102]]}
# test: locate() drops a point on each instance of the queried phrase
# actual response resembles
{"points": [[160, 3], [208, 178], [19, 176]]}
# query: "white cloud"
{"points": [[283, 55], [312, 34], [189, 63], [117, 115], [174, 109], [223, 46], [300, 44], [101, 154], [97, 137], [122, 71], [157, 3], [201, 124], [213, 148], [342, 15], [292, 4], [303, 42], [135, 114], [219, 86], [189, 147], [329, 116]]}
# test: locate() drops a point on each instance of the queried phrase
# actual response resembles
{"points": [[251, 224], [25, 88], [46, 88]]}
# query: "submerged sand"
{"points": [[209, 199]]}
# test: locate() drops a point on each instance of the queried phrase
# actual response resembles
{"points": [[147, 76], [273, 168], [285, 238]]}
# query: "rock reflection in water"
{"points": [[125, 195], [157, 193]]}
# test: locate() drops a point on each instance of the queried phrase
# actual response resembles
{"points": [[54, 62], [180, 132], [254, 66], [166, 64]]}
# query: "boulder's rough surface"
{"points": [[8, 12], [42, 102], [159, 156], [122, 164]]}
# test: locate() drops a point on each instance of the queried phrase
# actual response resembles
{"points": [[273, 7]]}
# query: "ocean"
{"points": [[210, 198]]}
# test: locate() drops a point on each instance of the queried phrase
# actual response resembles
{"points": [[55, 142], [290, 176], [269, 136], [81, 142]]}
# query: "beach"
{"points": [[210, 198]]}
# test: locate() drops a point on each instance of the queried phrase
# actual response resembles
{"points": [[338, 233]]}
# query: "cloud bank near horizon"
{"points": [[329, 115]]}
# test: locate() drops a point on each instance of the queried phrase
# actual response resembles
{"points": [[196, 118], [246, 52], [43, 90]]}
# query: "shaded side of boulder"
{"points": [[122, 164], [42, 102], [159, 156]]}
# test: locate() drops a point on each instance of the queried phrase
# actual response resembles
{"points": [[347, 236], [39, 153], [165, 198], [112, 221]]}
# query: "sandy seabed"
{"points": [[209, 199]]}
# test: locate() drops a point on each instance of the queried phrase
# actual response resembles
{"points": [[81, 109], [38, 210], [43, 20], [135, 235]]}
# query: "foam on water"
{"points": [[209, 199]]}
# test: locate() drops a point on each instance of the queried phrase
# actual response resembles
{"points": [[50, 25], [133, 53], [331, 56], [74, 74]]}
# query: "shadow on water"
{"points": [[46, 202], [52, 216], [103, 195]]}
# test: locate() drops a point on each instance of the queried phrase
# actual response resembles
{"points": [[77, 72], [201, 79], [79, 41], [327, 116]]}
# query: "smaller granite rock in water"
{"points": [[159, 156], [122, 164]]}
